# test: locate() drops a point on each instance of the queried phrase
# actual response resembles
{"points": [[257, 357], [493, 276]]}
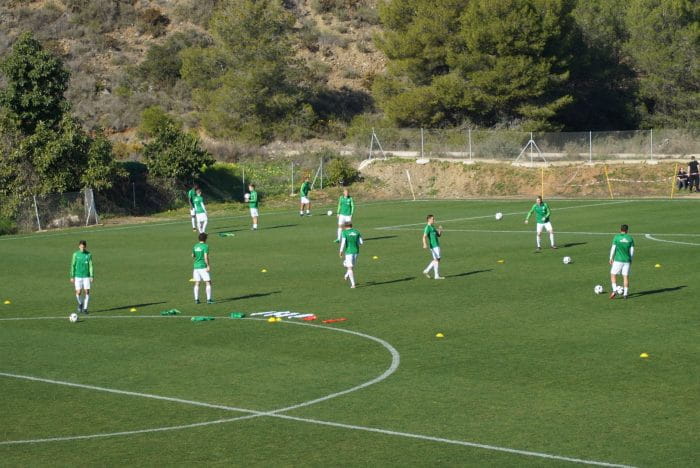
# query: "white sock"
{"points": [[255, 226], [194, 225], [351, 275], [436, 269], [204, 227], [196, 293], [539, 244], [308, 212], [347, 273], [208, 288], [614, 287], [551, 238], [625, 291], [429, 267], [80, 303], [339, 231], [85, 301]]}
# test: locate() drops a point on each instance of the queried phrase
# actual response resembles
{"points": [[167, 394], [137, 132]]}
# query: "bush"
{"points": [[339, 171], [7, 226], [153, 22]]}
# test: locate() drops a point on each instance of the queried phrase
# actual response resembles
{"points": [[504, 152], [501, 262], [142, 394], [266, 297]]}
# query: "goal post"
{"points": [[58, 210]]}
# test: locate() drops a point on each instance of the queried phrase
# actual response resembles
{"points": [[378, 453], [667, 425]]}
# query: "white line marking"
{"points": [[504, 214], [277, 413], [650, 237]]}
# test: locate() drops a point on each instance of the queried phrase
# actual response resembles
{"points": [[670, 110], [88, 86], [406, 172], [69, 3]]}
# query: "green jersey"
{"points": [[351, 241], [199, 250], [623, 244], [346, 206], [81, 266], [198, 202], [190, 197], [542, 213], [432, 234], [253, 199], [305, 189]]}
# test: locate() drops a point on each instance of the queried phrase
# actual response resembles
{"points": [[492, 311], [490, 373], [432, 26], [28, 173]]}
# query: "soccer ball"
{"points": [[566, 260], [73, 317], [619, 290], [246, 197], [330, 213], [499, 215], [598, 289]]}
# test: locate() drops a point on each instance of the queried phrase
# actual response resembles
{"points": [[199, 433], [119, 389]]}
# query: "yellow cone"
{"points": [[439, 335], [501, 261], [658, 265], [278, 319], [263, 271], [133, 309], [271, 320], [644, 355], [375, 258], [7, 302], [191, 280]]}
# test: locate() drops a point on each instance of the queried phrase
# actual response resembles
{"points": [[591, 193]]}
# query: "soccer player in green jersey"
{"points": [[346, 207], [252, 196], [190, 198], [621, 254], [81, 275], [430, 240], [200, 211], [304, 194], [542, 214], [350, 243], [200, 254]]}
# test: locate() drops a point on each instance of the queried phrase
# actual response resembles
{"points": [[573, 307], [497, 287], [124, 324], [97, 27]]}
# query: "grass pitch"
{"points": [[534, 368]]}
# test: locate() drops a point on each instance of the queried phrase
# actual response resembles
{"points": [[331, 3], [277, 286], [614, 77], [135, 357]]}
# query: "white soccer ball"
{"points": [[246, 197], [330, 213], [566, 260], [619, 290], [73, 317], [598, 289], [499, 215]]}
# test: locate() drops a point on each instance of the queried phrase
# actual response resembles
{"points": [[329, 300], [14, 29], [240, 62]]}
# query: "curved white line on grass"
{"points": [[650, 237], [277, 413]]}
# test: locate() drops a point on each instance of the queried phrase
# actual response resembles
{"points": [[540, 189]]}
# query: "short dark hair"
{"points": [[195, 186], [429, 216], [203, 236], [82, 242], [348, 224], [624, 228], [251, 185]]}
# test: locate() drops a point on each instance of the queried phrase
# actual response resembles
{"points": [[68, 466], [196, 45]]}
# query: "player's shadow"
{"points": [[279, 226], [126, 307], [656, 291], [247, 296], [378, 238], [379, 283], [573, 244], [469, 273], [226, 231]]}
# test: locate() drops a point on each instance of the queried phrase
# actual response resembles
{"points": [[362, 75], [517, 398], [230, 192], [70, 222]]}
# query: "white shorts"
{"points": [[253, 212], [201, 274], [541, 226], [305, 200], [620, 267], [344, 219], [436, 253], [350, 260], [202, 217], [81, 283]]}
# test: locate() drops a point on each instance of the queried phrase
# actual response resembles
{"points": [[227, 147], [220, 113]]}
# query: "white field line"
{"points": [[277, 413], [650, 237], [504, 214], [531, 231]]}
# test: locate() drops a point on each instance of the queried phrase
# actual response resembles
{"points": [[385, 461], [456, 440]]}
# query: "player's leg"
{"points": [[205, 221], [539, 235], [436, 260], [431, 265], [207, 288], [550, 230], [340, 228], [86, 300], [194, 219], [308, 208], [78, 287], [615, 270], [625, 279], [196, 292]]}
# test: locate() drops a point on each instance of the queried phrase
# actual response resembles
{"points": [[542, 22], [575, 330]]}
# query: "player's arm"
{"points": [[72, 267], [631, 253], [352, 206], [612, 253], [206, 259], [547, 211], [425, 240], [92, 273], [439, 231], [529, 213], [203, 207]]}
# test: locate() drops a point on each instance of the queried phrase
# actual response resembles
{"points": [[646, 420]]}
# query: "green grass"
{"points": [[532, 359]]}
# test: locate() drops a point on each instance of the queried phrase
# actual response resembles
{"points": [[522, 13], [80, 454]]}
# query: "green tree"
{"points": [[252, 87], [664, 47], [453, 61], [36, 81], [154, 119], [175, 155]]}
